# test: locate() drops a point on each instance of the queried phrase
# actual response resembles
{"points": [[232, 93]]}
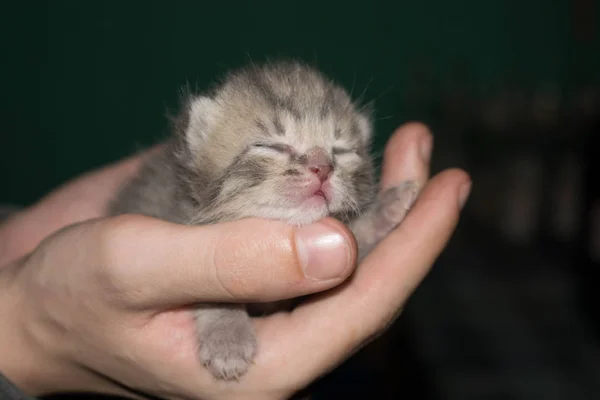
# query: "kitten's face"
{"points": [[281, 143]]}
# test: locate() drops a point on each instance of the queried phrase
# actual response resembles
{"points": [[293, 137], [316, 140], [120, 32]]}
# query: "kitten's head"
{"points": [[277, 141]]}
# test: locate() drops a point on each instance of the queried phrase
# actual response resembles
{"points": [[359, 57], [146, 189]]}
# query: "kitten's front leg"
{"points": [[227, 343], [385, 214]]}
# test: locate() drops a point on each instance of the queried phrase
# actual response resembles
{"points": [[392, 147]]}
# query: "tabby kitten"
{"points": [[277, 141]]}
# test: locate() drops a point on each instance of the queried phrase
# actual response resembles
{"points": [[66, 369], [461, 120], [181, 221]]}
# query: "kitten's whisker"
{"points": [[386, 91], [251, 61], [353, 83], [362, 95]]}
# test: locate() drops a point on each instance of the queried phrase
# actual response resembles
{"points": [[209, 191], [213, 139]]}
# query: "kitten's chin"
{"points": [[305, 214], [307, 218], [310, 210]]}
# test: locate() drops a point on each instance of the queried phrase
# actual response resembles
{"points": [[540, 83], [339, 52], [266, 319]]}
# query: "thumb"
{"points": [[156, 263]]}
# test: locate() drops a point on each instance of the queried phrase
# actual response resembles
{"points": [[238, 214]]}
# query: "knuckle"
{"points": [[113, 238], [115, 233]]}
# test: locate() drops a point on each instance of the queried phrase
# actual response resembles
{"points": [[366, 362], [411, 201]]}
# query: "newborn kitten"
{"points": [[276, 141]]}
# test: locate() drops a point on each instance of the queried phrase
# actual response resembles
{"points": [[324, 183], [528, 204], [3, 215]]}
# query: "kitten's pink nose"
{"points": [[321, 170], [319, 163]]}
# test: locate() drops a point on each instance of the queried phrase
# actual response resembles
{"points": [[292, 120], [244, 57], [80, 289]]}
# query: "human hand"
{"points": [[83, 198], [100, 305]]}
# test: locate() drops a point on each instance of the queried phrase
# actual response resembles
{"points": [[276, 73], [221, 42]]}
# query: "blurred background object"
{"points": [[510, 88]]}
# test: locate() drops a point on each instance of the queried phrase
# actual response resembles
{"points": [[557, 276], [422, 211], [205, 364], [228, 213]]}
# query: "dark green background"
{"points": [[84, 82]]}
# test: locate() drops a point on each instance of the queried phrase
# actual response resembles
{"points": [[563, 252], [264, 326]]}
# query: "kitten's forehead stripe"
{"points": [[275, 100], [337, 133], [261, 125], [279, 129], [289, 106]]}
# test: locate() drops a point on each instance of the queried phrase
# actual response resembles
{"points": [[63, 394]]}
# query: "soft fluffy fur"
{"points": [[277, 141]]}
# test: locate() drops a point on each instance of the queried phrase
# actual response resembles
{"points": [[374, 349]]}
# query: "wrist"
{"points": [[30, 353]]}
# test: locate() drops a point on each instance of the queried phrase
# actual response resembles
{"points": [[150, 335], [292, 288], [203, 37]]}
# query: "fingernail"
{"points": [[425, 148], [463, 194], [324, 253]]}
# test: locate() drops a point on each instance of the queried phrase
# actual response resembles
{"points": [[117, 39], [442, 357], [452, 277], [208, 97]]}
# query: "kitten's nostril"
{"points": [[321, 170]]}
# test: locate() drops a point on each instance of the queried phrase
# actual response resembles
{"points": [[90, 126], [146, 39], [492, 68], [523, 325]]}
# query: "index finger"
{"points": [[413, 143]]}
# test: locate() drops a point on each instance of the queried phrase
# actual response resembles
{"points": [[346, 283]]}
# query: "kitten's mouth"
{"points": [[320, 193], [317, 199], [320, 196]]}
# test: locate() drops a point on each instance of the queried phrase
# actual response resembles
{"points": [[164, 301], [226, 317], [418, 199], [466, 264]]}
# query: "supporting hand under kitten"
{"points": [[226, 334]]}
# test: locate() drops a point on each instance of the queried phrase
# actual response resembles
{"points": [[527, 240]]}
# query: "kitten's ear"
{"points": [[202, 113]]}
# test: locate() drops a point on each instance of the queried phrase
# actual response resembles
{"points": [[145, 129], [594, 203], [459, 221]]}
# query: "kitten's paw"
{"points": [[394, 204], [228, 350]]}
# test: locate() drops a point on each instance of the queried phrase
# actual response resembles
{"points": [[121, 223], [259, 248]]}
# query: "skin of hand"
{"points": [[89, 303]]}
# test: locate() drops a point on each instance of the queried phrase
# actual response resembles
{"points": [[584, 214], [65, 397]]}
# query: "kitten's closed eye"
{"points": [[337, 151], [278, 147]]}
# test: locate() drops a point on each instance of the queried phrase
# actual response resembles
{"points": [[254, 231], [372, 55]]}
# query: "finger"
{"points": [[155, 263], [338, 321], [423, 235], [407, 155]]}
